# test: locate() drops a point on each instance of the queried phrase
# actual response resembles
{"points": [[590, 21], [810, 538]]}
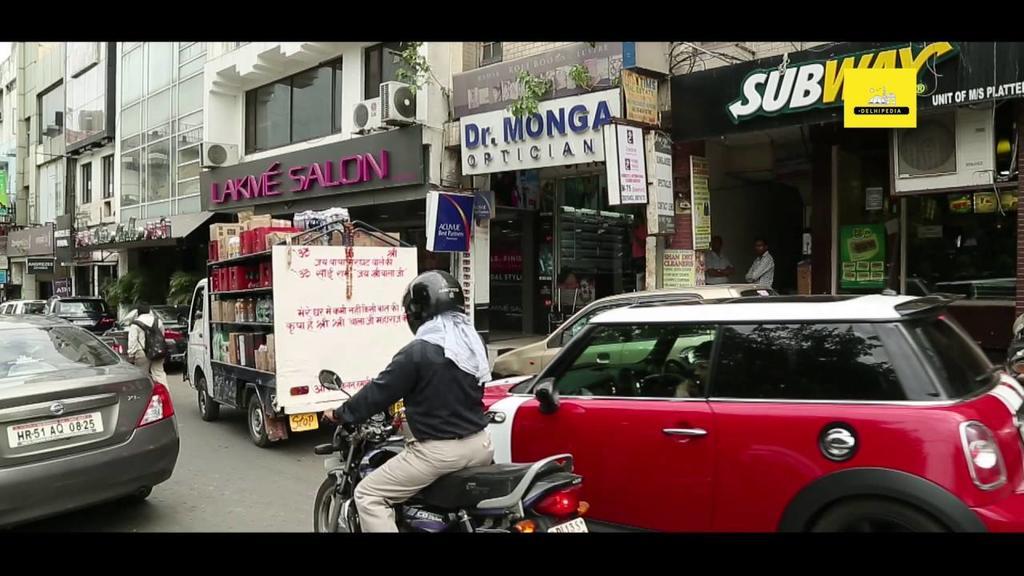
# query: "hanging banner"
{"points": [[679, 269], [701, 203], [625, 164], [62, 287], [449, 222], [660, 211], [862, 249]]}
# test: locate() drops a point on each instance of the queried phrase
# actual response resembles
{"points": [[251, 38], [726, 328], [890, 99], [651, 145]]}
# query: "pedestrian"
{"points": [[762, 271], [718, 268], [142, 324]]}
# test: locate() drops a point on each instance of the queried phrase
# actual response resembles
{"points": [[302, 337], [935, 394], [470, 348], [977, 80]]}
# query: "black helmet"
{"points": [[430, 294]]}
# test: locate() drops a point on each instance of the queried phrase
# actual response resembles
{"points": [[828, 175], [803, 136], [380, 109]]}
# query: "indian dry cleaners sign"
{"points": [[387, 160], [562, 132]]}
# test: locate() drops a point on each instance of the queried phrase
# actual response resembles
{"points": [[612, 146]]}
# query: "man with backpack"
{"points": [[147, 347]]}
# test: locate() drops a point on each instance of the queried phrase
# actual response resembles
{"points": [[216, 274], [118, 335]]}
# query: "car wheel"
{"points": [[209, 410], [257, 423], [876, 515], [140, 495]]}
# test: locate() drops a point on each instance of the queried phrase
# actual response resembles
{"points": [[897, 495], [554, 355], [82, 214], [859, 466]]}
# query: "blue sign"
{"points": [[483, 205], [449, 222], [3, 277]]}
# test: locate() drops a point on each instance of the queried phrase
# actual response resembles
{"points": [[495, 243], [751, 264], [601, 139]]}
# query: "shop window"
{"points": [[381, 63], [301, 107]]}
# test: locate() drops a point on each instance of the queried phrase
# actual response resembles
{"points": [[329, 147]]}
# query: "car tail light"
{"points": [[299, 391], [106, 322], [984, 460], [561, 504], [159, 408], [172, 335]]}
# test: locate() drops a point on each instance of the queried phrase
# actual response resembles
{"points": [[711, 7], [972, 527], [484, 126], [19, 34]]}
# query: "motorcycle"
{"points": [[542, 496]]}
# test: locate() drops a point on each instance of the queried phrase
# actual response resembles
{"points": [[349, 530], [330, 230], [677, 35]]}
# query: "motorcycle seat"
{"points": [[468, 487]]}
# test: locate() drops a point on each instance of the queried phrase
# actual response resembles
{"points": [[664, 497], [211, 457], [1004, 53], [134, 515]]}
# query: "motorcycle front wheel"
{"points": [[328, 506]]}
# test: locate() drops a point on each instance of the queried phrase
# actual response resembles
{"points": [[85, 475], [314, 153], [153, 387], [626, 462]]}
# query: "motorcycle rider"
{"points": [[440, 375]]}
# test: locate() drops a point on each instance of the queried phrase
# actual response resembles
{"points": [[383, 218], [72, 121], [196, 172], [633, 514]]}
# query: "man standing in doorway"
{"points": [[762, 271], [718, 268]]}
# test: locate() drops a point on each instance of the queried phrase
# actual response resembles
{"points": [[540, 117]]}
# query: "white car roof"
{"points": [[875, 307]]}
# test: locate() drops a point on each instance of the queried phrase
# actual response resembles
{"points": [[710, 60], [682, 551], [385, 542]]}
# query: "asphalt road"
{"points": [[222, 482]]}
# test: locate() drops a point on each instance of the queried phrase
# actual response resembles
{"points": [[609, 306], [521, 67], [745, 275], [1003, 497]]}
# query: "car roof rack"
{"points": [[927, 304]]}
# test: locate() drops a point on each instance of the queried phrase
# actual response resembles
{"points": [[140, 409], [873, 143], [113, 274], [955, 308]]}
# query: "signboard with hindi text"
{"points": [[329, 303]]}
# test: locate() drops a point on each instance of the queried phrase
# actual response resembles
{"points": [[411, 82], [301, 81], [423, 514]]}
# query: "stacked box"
{"points": [[271, 354], [233, 348]]}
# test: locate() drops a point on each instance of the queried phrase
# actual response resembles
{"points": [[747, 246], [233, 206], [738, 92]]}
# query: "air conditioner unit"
{"points": [[397, 104], [215, 155], [951, 149], [366, 116]]}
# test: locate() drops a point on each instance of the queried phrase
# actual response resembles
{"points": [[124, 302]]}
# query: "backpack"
{"points": [[155, 346]]}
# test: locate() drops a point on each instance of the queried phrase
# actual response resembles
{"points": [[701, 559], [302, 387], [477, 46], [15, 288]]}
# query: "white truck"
{"points": [[335, 307]]}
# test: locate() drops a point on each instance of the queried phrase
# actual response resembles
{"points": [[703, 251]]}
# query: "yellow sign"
{"points": [[985, 202], [880, 98], [303, 422], [641, 97]]}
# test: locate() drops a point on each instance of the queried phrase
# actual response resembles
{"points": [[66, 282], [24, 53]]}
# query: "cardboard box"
{"points": [[215, 311], [233, 348], [266, 274], [803, 278], [282, 224], [221, 232], [273, 238], [256, 222], [214, 254], [244, 217]]}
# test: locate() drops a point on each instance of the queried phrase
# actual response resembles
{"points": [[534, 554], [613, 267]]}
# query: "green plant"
{"points": [[180, 288], [531, 90], [580, 75], [126, 290], [412, 67]]}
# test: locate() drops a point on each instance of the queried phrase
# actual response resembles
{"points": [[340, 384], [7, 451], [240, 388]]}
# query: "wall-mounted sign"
{"points": [[386, 160], [63, 241], [626, 164], [660, 211], [483, 205], [874, 199], [641, 94], [36, 241], [4, 277], [40, 266], [562, 132], [496, 86], [700, 196], [985, 202], [679, 270], [449, 222], [62, 287]]}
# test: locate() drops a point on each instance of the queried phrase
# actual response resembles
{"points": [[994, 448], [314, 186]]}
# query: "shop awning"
{"points": [[182, 226]]}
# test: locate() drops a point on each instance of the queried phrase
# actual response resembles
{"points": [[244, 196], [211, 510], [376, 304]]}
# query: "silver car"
{"points": [[78, 425]]}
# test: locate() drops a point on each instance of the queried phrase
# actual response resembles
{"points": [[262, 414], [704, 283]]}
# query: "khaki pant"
{"points": [[414, 469], [154, 369]]}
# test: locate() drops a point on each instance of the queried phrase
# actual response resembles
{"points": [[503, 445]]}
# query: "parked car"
{"points": [[867, 413], [534, 357], [175, 321], [19, 307], [86, 312], [78, 426]]}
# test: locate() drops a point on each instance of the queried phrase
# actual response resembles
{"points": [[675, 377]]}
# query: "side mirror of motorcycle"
{"points": [[331, 381], [547, 396]]}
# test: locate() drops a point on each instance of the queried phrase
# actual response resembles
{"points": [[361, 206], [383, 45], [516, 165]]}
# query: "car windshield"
{"points": [[961, 366], [26, 352], [81, 306], [168, 315], [34, 308]]}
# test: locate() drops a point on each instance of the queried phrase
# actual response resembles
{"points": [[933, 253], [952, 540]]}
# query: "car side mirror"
{"points": [[547, 396]]}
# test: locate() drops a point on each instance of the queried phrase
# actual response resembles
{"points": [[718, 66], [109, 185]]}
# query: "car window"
{"points": [[197, 308], [805, 362], [80, 306], [581, 323], [648, 361], [5, 309], [33, 308], [961, 367], [165, 314], [33, 351]]}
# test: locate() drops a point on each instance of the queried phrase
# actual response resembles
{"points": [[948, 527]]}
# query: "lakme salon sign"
{"points": [[387, 160], [562, 132]]}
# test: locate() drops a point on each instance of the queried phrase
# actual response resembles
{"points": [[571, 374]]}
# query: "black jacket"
{"points": [[442, 402]]}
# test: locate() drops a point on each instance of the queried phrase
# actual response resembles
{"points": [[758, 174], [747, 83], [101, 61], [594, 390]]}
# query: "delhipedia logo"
{"points": [[880, 98]]}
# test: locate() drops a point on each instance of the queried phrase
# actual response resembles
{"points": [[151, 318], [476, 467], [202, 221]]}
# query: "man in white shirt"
{"points": [[762, 271], [137, 343], [717, 268]]}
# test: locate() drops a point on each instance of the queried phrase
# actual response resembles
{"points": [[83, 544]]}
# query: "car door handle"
{"points": [[685, 431]]}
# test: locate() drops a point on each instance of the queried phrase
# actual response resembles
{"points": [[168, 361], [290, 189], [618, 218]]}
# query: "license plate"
{"points": [[84, 322], [57, 429], [304, 422], [573, 526]]}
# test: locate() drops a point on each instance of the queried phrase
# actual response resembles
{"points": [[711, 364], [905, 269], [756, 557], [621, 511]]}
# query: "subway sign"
{"points": [[819, 84]]}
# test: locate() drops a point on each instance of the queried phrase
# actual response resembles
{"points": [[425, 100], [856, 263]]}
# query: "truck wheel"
{"points": [[209, 410], [257, 422], [876, 515]]}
